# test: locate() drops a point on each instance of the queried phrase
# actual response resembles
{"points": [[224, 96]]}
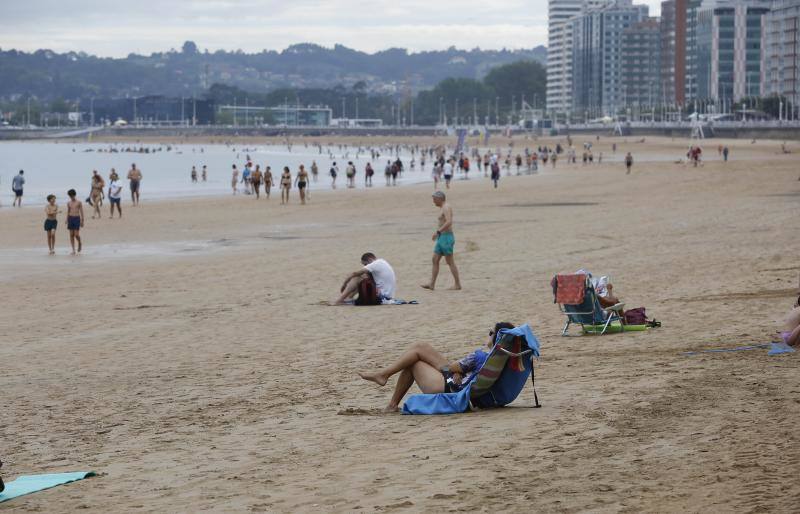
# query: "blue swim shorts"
{"points": [[444, 244]]}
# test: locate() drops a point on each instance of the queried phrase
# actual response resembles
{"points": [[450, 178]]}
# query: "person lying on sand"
{"points": [[379, 271], [431, 371]]}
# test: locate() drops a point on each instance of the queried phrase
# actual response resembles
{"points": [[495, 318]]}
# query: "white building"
{"points": [[782, 51], [559, 50]]}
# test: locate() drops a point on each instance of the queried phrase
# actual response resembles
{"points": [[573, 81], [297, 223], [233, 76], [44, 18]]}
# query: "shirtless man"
{"points": [[97, 193], [267, 181], [135, 176], [255, 180], [74, 220], [51, 222], [234, 178], [445, 241]]}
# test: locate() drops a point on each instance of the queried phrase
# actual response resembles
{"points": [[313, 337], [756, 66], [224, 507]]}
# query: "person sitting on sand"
{"points": [[431, 371], [382, 274]]}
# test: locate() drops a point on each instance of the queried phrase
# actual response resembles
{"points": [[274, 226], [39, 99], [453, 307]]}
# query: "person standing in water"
{"points": [[234, 178], [194, 175], [368, 173], [135, 177], [628, 163], [314, 170], [204, 173], [301, 181], [286, 184], [445, 242], [75, 220], [96, 196], [334, 173], [51, 222]]}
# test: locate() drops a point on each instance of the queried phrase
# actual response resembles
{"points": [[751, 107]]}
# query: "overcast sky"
{"points": [[117, 28]]}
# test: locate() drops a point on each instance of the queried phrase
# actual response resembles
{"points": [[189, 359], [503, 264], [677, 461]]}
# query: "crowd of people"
{"points": [[447, 164]]}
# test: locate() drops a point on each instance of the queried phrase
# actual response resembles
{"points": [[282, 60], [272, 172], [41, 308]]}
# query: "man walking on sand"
{"points": [[17, 184], [74, 220], [445, 242], [135, 177]]}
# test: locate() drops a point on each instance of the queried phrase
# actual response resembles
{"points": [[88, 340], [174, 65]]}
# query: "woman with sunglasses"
{"points": [[431, 371]]}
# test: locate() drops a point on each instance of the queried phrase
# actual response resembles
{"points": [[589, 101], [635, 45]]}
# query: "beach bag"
{"points": [[636, 316], [367, 292]]}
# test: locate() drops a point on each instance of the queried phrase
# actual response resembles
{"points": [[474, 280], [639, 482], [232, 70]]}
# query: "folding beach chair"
{"points": [[577, 299], [498, 383]]}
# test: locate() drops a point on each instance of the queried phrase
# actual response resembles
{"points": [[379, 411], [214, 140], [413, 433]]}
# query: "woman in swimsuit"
{"points": [[286, 184], [431, 370], [301, 181], [98, 184]]}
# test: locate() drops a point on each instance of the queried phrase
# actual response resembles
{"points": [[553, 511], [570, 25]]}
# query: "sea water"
{"points": [[56, 167]]}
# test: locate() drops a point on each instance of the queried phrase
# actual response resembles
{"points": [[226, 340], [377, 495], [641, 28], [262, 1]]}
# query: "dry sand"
{"points": [[186, 359]]}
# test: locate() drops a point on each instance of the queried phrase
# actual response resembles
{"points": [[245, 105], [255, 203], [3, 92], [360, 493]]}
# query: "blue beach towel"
{"points": [[505, 389], [774, 349], [28, 484], [779, 348]]}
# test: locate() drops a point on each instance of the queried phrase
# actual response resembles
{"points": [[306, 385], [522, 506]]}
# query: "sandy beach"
{"points": [[186, 356]]}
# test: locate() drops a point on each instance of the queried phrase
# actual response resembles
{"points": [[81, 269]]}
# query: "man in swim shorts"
{"points": [[51, 222], [135, 177], [16, 185], [74, 220], [445, 242]]}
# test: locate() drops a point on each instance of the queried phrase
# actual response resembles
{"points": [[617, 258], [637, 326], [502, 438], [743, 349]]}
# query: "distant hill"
{"points": [[50, 75]]}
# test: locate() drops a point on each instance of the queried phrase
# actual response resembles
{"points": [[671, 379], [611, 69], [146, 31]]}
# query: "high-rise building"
{"points": [[673, 51], [782, 76], [597, 56], [728, 50], [559, 50], [641, 70], [690, 85]]}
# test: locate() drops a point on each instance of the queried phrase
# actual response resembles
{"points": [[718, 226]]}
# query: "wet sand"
{"points": [[186, 358]]}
